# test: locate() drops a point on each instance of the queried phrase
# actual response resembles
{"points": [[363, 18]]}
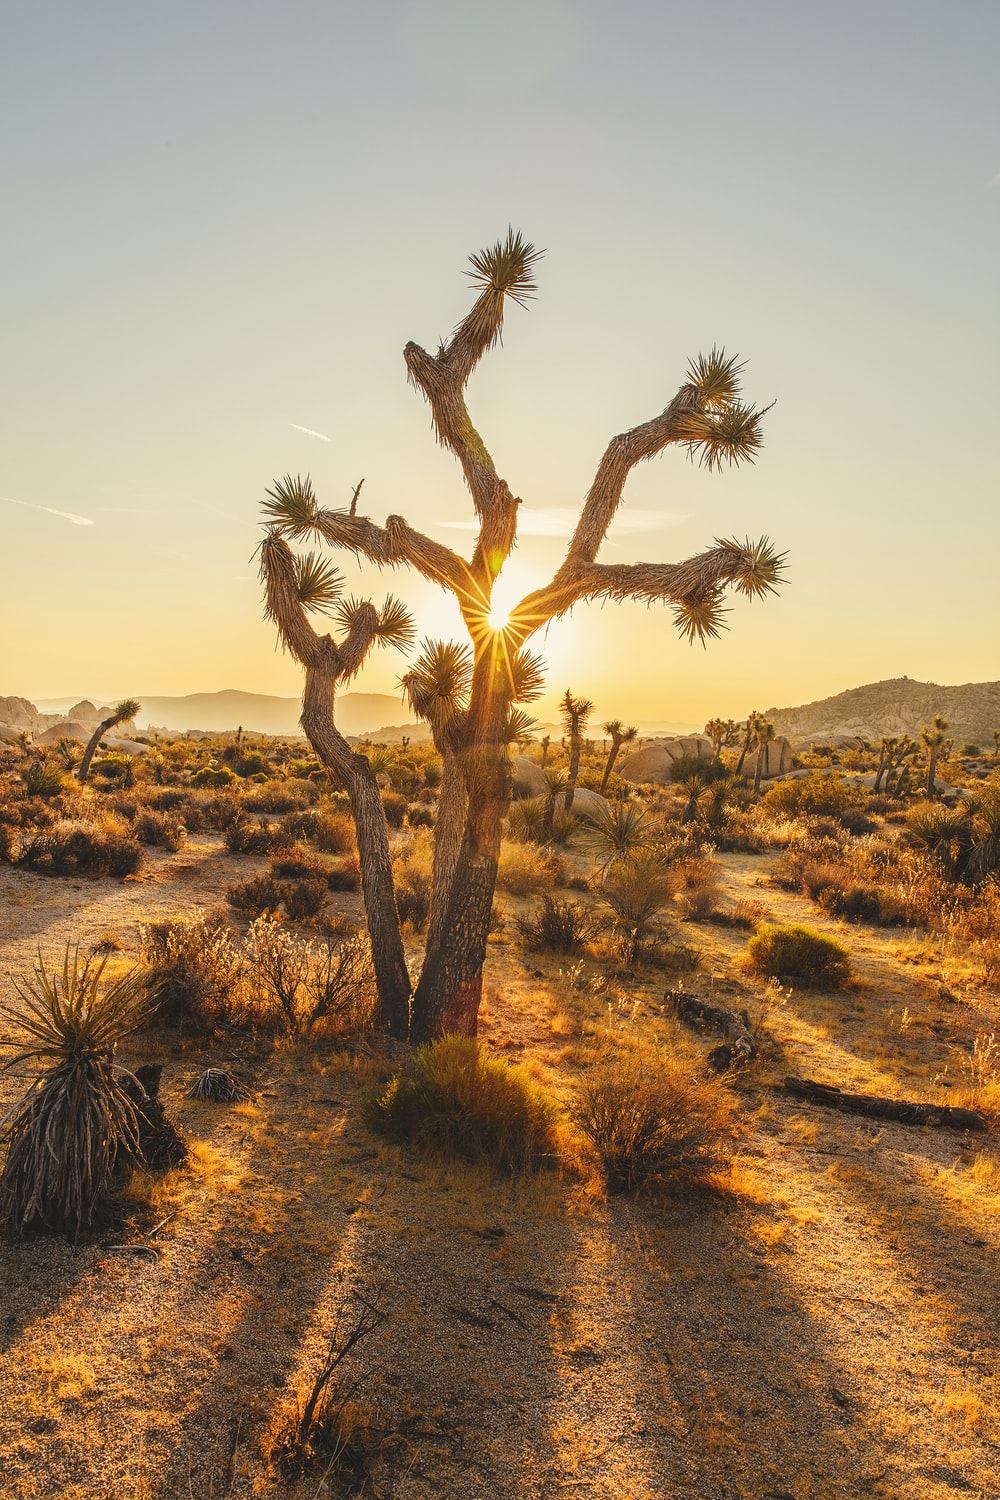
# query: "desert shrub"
{"points": [[280, 796], [304, 899], [750, 914], [301, 824], [247, 837], [458, 1100], [801, 952], [636, 891], [697, 887], [705, 766], [526, 820], [419, 815], [863, 903], [413, 878], [524, 870], [254, 896], [297, 985], [219, 1086], [43, 779], [159, 829], [334, 834], [394, 806], [294, 862], [80, 848], [653, 1124], [78, 1121], [193, 973], [558, 926], [815, 795], [345, 875], [213, 776]]}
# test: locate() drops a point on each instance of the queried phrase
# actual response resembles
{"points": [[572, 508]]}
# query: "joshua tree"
{"points": [[575, 713], [750, 730], [934, 737], [721, 732], [619, 736], [122, 712], [763, 735], [706, 416], [294, 586]]}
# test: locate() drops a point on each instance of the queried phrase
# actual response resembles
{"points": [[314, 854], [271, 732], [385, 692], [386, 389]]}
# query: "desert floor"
{"points": [[824, 1323]]}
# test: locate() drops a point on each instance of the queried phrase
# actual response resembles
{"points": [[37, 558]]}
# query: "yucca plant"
{"points": [[615, 832], [42, 779], [78, 1120]]}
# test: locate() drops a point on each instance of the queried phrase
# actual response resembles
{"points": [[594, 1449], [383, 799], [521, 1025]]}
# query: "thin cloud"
{"points": [[561, 521], [67, 515], [309, 432]]}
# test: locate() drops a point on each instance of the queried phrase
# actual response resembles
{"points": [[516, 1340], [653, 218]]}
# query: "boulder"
{"points": [[529, 778], [18, 713], [777, 756], [9, 735], [586, 802], [128, 747], [69, 729], [85, 713], [653, 761], [833, 741]]}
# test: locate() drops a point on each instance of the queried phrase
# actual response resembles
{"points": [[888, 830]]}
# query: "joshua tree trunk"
{"points": [[619, 737], [449, 834], [449, 991], [747, 741], [124, 711], [326, 664]]}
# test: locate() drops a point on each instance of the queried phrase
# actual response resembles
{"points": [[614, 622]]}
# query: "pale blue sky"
{"points": [[223, 219]]}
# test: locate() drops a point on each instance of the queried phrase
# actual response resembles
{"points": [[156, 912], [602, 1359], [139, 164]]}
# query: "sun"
{"points": [[498, 618]]}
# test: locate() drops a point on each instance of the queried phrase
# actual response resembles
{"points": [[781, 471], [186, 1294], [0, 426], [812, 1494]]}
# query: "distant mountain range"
{"points": [[897, 706], [357, 713]]}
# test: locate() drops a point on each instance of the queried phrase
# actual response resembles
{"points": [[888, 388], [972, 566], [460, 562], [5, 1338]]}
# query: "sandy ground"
{"points": [[826, 1327]]}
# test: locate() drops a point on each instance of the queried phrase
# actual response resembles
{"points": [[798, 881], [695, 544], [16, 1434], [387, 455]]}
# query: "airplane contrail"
{"points": [[67, 515], [309, 432]]}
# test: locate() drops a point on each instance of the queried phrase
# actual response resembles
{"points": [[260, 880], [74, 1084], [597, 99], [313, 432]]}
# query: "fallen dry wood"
{"points": [[734, 1025], [906, 1111]]}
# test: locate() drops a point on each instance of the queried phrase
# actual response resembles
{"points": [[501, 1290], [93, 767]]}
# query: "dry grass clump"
{"points": [[78, 1122], [637, 892], [244, 836], [525, 870], [217, 1085], [459, 1101], [697, 887], [280, 796], [652, 1123], [979, 1078], [558, 926], [303, 987], [779, 948]]}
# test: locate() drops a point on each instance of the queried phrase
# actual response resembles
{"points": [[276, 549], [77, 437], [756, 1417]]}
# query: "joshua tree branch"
{"points": [[392, 545], [358, 642], [284, 607]]}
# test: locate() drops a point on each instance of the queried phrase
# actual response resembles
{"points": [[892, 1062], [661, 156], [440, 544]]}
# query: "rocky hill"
{"points": [[357, 713], [898, 706]]}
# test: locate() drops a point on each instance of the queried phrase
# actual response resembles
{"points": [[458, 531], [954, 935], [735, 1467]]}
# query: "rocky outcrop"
{"points": [[68, 729], [777, 757], [897, 706], [18, 713], [653, 762]]}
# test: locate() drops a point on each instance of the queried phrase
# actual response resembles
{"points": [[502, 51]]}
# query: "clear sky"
{"points": [[222, 221]]}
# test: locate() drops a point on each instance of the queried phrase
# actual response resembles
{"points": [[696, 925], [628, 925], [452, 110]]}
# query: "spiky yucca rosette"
{"points": [[77, 1121]]}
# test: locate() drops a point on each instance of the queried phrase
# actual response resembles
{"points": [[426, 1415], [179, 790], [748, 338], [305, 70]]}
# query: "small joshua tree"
{"points": [[575, 714], [706, 416], [121, 714], [620, 736], [934, 738]]}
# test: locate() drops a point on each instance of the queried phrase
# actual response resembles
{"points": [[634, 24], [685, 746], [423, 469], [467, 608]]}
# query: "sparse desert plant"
{"points": [[526, 821], [280, 796], [78, 1121], [193, 974], [161, 829], [394, 805], [330, 1429], [255, 895], [637, 891], [979, 1073], [458, 1100], [558, 926], [697, 887], [299, 984], [218, 1085], [247, 837], [43, 779], [214, 776], [652, 1123], [334, 834], [800, 952], [304, 899], [618, 831], [345, 875]]}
